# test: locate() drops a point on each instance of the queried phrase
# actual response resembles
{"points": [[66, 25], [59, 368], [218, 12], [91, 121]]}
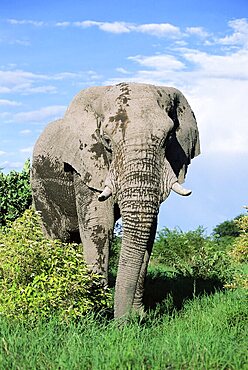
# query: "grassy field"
{"points": [[208, 332], [195, 299]]}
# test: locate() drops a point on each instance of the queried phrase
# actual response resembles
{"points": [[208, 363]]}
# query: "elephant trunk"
{"points": [[138, 236], [142, 179], [139, 198]]}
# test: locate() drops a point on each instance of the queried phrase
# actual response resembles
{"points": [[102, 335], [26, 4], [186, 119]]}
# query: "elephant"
{"points": [[118, 151]]}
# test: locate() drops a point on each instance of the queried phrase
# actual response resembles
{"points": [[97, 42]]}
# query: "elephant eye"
{"points": [[167, 139], [170, 136], [107, 142]]}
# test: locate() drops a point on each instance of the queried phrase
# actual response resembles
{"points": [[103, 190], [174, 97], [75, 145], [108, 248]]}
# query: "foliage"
{"points": [[208, 333], [227, 228], [114, 254], [239, 254], [240, 278], [192, 254], [40, 276], [15, 194], [240, 250]]}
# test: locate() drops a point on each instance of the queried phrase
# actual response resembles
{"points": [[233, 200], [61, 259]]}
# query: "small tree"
{"points": [[240, 250], [15, 194], [228, 228]]}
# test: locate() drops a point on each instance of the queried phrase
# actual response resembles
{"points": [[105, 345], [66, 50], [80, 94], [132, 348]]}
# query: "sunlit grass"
{"points": [[208, 333]]}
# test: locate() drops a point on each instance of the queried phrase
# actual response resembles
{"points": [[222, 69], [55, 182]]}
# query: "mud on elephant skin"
{"points": [[118, 150]]}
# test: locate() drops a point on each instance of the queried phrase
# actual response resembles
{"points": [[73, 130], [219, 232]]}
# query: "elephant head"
{"points": [[128, 145]]}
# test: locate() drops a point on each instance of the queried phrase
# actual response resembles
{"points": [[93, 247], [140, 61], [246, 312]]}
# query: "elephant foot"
{"points": [[134, 316], [105, 194], [177, 188]]}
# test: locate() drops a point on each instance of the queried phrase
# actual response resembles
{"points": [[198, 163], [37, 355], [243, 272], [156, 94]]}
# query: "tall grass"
{"points": [[208, 333]]}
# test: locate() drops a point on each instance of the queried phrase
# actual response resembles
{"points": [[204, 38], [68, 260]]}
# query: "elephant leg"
{"points": [[96, 223]]}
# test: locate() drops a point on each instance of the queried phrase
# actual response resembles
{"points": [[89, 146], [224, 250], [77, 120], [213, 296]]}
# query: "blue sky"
{"points": [[49, 50]]}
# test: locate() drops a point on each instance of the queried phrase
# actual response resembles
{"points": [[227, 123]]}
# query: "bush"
{"points": [[192, 254], [240, 250], [239, 254], [15, 194], [227, 229], [39, 277], [114, 254]]}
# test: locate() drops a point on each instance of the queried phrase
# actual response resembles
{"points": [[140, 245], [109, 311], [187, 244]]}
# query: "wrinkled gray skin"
{"points": [[127, 144]]}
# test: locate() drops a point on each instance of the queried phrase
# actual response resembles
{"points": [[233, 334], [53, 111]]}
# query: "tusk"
{"points": [[106, 193], [177, 188]]}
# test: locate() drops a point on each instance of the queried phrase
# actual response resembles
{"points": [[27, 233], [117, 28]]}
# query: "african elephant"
{"points": [[119, 150]]}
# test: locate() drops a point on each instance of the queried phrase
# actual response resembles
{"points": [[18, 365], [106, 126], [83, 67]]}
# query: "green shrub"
{"points": [[114, 254], [40, 277], [15, 194], [227, 228], [239, 254], [240, 250], [192, 254]]}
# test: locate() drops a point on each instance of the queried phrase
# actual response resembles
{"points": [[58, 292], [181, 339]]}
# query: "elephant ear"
{"points": [[84, 147], [183, 144]]}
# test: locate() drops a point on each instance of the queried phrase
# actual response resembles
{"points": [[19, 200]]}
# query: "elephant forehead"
{"points": [[139, 118], [126, 103], [125, 92]]}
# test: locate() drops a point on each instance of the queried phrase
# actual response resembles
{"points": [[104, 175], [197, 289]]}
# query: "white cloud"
{"points": [[27, 89], [42, 115], [75, 76], [12, 41], [122, 70], [93, 75], [240, 34], [233, 65], [25, 132], [12, 77], [26, 22], [4, 90], [164, 62], [66, 75], [23, 82], [197, 31], [26, 83], [62, 24], [8, 165], [113, 27], [5, 115], [28, 150], [154, 29], [159, 29], [221, 111], [11, 103], [2, 152]]}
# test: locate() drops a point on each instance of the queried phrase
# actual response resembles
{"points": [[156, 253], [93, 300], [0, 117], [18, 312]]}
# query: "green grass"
{"points": [[209, 332]]}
